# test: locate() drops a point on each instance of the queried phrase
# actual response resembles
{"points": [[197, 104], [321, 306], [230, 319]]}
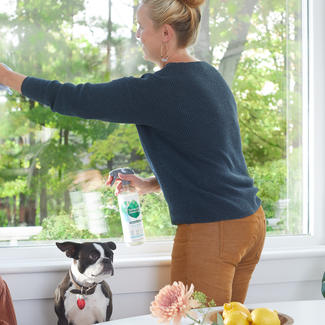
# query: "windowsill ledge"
{"points": [[293, 253], [61, 264]]}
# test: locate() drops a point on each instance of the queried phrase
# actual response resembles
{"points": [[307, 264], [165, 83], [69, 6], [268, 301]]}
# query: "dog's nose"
{"points": [[107, 265], [106, 261]]}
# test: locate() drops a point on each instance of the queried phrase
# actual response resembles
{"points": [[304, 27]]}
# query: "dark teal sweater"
{"points": [[186, 117]]}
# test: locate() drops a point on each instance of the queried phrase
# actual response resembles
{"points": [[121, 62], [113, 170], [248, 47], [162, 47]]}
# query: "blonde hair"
{"points": [[183, 15]]}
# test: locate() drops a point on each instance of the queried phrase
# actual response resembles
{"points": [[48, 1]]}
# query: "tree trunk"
{"points": [[109, 38], [229, 62], [109, 164], [31, 211], [14, 210], [31, 201], [6, 207], [22, 208], [67, 202], [202, 49], [43, 201], [133, 32]]}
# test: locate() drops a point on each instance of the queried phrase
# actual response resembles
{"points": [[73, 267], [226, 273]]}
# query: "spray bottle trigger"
{"points": [[114, 173]]}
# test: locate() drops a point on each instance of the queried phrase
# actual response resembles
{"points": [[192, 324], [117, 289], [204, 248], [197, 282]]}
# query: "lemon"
{"points": [[234, 305], [265, 316], [236, 317]]}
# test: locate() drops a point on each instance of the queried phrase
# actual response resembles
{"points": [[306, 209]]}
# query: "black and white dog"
{"points": [[83, 297]]}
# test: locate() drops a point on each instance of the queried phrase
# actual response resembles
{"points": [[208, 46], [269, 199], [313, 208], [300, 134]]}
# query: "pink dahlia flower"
{"points": [[173, 302]]}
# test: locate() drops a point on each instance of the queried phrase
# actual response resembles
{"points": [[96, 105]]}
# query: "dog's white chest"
{"points": [[94, 310]]}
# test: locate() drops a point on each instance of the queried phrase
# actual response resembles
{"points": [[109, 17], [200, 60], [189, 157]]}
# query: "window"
{"points": [[51, 165]]}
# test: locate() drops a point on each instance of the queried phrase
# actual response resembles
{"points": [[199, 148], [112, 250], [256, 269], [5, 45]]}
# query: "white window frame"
{"points": [[36, 256], [317, 119], [314, 69]]}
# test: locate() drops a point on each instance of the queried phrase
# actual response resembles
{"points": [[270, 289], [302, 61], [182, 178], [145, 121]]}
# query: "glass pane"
{"points": [[53, 168]]}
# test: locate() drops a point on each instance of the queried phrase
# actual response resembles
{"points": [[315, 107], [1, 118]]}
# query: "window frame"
{"points": [[314, 23], [314, 154]]}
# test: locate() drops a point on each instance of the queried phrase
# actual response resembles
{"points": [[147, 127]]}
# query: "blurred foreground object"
{"points": [[7, 312], [87, 208]]}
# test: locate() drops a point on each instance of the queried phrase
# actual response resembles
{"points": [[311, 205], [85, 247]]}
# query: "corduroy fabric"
{"points": [[186, 117], [219, 257], [7, 312]]}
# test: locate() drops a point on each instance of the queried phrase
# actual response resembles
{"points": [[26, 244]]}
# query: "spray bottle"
{"points": [[129, 206]]}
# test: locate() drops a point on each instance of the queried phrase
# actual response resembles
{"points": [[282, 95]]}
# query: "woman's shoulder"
{"points": [[178, 69], [180, 72], [189, 68], [193, 65]]}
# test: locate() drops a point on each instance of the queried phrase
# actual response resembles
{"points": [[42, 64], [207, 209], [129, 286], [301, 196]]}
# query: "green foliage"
{"points": [[111, 212], [3, 219], [270, 179], [156, 217], [12, 188], [203, 299], [122, 145], [61, 227]]}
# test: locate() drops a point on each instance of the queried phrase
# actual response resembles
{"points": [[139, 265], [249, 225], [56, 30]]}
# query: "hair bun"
{"points": [[193, 3]]}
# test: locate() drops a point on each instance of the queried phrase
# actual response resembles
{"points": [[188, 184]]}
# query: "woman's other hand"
{"points": [[10, 78], [3, 72]]}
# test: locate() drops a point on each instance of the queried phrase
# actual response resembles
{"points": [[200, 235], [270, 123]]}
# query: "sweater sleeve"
{"points": [[111, 101]]}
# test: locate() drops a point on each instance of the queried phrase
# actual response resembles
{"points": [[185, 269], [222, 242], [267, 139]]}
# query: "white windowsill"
{"points": [[144, 259]]}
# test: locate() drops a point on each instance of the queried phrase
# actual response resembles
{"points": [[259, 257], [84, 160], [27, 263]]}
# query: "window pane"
{"points": [[53, 168]]}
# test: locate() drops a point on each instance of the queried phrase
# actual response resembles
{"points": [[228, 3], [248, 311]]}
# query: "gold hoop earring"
{"points": [[164, 52]]}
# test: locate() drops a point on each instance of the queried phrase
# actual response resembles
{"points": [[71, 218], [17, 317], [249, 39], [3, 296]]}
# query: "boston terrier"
{"points": [[83, 297]]}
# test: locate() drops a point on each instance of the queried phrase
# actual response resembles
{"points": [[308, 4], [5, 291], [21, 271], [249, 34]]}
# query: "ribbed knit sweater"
{"points": [[186, 117]]}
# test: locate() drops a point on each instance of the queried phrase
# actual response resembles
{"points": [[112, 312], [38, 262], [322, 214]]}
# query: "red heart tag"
{"points": [[81, 303]]}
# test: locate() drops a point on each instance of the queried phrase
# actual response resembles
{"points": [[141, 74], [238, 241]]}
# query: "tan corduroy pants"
{"points": [[7, 313], [219, 257]]}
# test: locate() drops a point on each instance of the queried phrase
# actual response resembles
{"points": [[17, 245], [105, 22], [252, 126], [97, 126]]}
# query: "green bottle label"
{"points": [[134, 209], [130, 209]]}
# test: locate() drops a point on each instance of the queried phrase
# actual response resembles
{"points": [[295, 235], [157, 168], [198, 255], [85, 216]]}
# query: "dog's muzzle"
{"points": [[107, 266]]}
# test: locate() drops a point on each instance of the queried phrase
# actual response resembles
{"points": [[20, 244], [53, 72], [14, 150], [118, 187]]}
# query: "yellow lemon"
{"points": [[236, 317], [265, 316], [234, 305]]}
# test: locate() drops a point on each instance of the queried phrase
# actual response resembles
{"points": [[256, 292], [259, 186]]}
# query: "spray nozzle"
{"points": [[114, 173]]}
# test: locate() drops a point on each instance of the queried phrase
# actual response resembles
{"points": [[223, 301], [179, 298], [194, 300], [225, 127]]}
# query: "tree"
{"points": [[202, 49], [229, 62]]}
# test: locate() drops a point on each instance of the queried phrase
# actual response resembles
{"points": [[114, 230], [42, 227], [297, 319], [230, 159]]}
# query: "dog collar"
{"points": [[81, 291]]}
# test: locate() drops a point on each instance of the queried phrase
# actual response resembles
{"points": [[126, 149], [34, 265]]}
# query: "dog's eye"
{"points": [[94, 256]]}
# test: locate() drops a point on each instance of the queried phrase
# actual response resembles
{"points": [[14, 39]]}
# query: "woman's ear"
{"points": [[167, 33]]}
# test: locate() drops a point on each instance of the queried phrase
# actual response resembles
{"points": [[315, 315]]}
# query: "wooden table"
{"points": [[304, 312]]}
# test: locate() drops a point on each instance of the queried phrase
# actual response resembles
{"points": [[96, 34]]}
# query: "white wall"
{"points": [[280, 276]]}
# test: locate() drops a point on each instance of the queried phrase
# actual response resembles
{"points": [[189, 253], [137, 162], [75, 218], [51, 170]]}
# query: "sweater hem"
{"points": [[206, 219]]}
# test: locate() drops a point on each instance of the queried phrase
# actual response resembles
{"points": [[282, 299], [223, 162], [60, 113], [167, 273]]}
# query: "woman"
{"points": [[187, 122]]}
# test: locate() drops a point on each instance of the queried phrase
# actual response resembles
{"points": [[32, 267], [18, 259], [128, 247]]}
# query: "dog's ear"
{"points": [[111, 245], [71, 249]]}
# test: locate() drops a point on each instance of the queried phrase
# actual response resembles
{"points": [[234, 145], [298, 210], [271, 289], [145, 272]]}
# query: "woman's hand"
{"points": [[140, 184], [10, 78]]}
